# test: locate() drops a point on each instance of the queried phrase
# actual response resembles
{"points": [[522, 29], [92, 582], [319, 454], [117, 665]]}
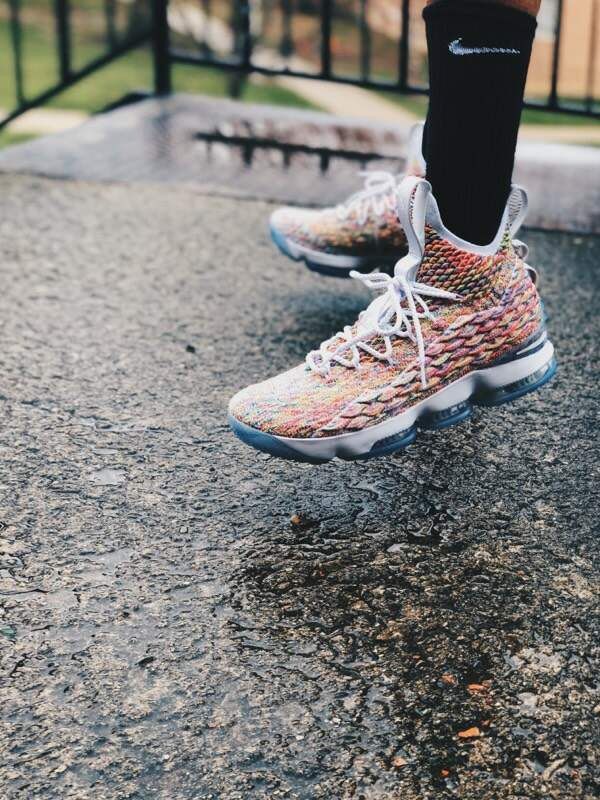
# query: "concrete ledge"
{"points": [[282, 154]]}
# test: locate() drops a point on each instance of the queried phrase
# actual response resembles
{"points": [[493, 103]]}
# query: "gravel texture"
{"points": [[184, 618]]}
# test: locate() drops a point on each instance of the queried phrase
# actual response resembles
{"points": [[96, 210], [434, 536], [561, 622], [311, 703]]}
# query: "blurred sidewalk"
{"points": [[39, 121]]}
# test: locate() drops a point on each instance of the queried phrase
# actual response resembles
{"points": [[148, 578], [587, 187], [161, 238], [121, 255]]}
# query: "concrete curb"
{"points": [[296, 156]]}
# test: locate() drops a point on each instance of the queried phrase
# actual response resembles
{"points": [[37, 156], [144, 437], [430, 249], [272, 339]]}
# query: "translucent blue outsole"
{"points": [[513, 391], [324, 269], [390, 444], [398, 441], [449, 416], [267, 443]]}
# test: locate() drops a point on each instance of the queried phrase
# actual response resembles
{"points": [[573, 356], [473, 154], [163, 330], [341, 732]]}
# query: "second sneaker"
{"points": [[361, 233]]}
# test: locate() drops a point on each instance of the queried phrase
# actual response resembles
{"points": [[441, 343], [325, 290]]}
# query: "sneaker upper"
{"points": [[351, 229], [366, 224], [450, 308]]}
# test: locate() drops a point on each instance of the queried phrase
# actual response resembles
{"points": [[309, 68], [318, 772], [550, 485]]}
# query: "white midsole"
{"points": [[298, 251], [359, 442]]}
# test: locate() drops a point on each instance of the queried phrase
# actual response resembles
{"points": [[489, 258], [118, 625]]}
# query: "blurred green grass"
{"points": [[128, 73], [10, 137], [417, 105]]}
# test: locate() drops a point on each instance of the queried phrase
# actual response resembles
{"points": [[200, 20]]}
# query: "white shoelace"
{"points": [[385, 317], [398, 311], [378, 195]]}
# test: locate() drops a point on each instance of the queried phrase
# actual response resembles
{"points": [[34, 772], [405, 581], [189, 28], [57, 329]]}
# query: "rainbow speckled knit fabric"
{"points": [[356, 233], [498, 310]]}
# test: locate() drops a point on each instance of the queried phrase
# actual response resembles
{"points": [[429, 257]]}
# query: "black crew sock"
{"points": [[478, 58]]}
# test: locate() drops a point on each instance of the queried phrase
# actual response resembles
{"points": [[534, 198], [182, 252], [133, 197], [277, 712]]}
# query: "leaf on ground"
{"points": [[477, 688], [469, 733], [448, 679]]}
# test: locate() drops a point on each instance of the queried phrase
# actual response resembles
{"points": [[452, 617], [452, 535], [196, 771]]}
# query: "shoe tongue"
{"points": [[415, 163]]}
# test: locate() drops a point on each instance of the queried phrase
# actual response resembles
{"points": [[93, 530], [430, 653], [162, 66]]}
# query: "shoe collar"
{"points": [[417, 207]]}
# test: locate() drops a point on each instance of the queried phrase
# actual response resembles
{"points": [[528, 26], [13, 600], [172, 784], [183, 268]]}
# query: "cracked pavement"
{"points": [[184, 618]]}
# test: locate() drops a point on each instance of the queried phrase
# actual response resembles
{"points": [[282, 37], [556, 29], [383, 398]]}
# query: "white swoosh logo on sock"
{"points": [[457, 49]]}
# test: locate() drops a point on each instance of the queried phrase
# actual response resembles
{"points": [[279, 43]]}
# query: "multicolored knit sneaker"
{"points": [[457, 325], [361, 233]]}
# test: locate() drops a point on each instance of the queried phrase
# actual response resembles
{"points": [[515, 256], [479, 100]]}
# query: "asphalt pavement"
{"points": [[184, 618]]}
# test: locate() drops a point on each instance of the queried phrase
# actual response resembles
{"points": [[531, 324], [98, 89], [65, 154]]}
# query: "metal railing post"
{"points": [[109, 16], [286, 46], [15, 31], [245, 35], [591, 75], [240, 23], [326, 11], [553, 97], [404, 44], [160, 47], [63, 33], [365, 41]]}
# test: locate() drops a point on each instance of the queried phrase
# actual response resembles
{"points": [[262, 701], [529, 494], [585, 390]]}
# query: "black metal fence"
{"points": [[385, 52], [41, 42], [377, 44]]}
